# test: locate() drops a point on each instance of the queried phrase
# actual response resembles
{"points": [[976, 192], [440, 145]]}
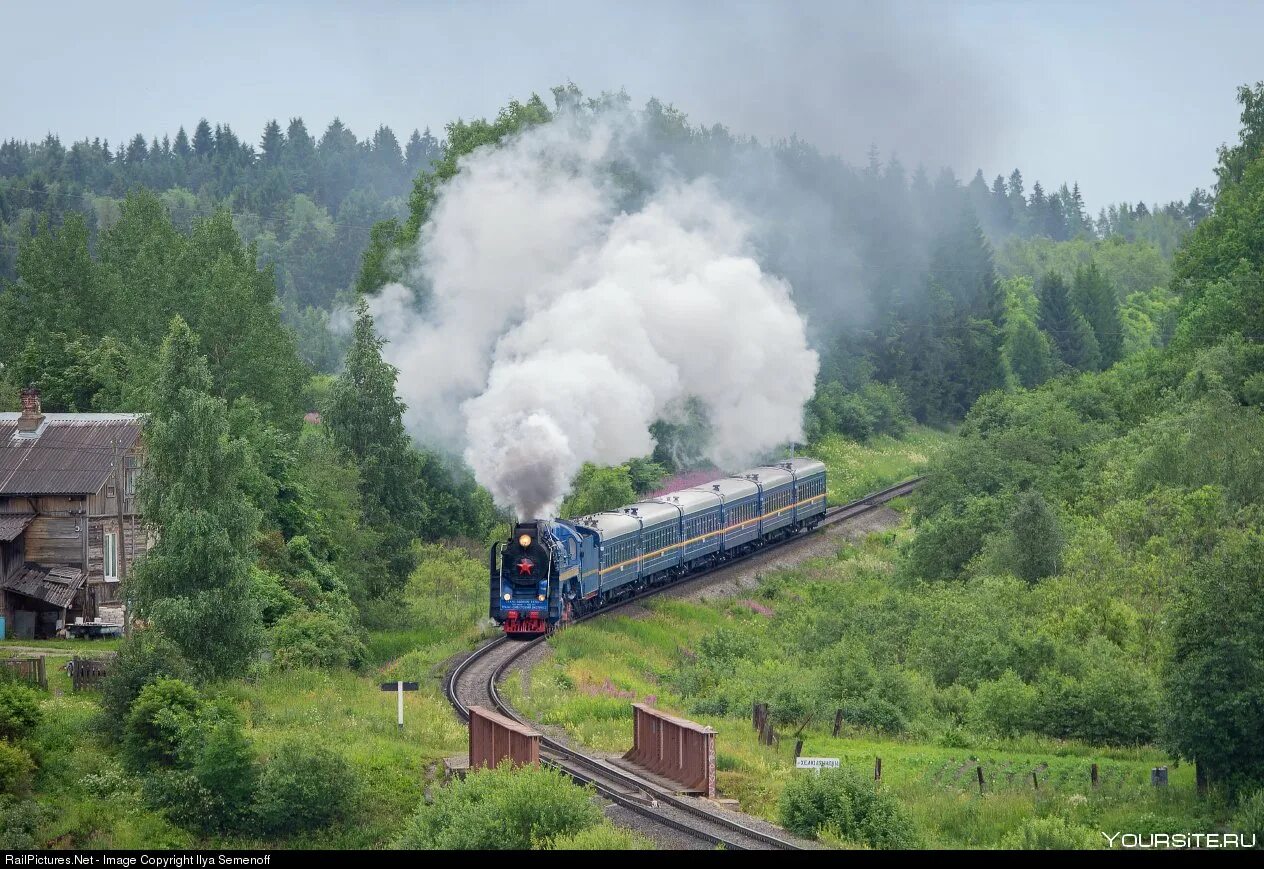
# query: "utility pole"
{"points": [[121, 548]]}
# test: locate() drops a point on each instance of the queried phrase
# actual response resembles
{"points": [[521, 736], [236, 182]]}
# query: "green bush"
{"points": [[159, 722], [1050, 834], [144, 658], [1115, 702], [875, 711], [845, 802], [19, 710], [274, 600], [181, 797], [315, 639], [213, 790], [16, 768], [304, 787], [1004, 706], [1249, 818], [19, 820], [603, 837], [502, 809]]}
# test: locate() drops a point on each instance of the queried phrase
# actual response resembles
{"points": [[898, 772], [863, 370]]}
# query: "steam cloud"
{"points": [[561, 322]]}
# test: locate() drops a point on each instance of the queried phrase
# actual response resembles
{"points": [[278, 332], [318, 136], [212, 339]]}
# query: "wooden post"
{"points": [[766, 735], [877, 769], [1035, 782], [120, 550], [979, 772], [798, 748], [1200, 779], [42, 675], [838, 722], [1093, 776]]}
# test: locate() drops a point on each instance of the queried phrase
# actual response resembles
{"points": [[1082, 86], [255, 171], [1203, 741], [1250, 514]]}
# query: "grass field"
{"points": [[598, 669]]}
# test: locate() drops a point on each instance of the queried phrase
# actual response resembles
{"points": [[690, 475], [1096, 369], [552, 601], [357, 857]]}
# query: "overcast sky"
{"points": [[1129, 98]]}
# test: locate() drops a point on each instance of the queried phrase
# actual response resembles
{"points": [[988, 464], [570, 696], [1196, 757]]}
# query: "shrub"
{"points": [[1249, 818], [16, 768], [502, 809], [144, 658], [214, 788], [274, 600], [181, 797], [603, 837], [1116, 702], [1004, 706], [159, 722], [845, 801], [876, 711], [303, 787], [19, 710], [18, 822], [1050, 834], [225, 766], [315, 639]]}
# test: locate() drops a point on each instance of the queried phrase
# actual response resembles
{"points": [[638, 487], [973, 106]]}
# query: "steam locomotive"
{"points": [[552, 571]]}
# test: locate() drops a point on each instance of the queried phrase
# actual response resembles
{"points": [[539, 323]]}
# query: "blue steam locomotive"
{"points": [[552, 571]]}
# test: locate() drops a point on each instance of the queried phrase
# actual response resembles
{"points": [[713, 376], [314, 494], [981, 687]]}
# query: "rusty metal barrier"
{"points": [[674, 748], [494, 737]]}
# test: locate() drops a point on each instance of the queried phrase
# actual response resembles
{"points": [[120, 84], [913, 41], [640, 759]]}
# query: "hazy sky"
{"points": [[1130, 99]]}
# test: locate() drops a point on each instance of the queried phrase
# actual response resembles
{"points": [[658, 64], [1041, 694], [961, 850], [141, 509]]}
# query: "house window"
{"points": [[110, 557]]}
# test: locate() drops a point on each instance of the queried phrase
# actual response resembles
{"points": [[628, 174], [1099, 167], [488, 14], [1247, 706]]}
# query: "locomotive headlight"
{"points": [[524, 541], [540, 598], [508, 596]]}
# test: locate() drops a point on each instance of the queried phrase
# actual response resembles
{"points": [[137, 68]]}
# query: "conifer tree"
{"points": [[1070, 333], [1097, 301], [365, 419], [203, 142], [271, 145]]}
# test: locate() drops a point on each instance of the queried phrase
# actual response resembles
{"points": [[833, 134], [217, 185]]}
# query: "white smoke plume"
{"points": [[559, 326]]}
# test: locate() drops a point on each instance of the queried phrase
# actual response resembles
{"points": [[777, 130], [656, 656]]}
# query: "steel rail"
{"points": [[569, 760]]}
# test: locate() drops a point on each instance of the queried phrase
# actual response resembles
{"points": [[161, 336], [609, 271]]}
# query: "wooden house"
{"points": [[65, 537]]}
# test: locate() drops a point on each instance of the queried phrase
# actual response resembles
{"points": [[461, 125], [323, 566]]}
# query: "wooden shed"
{"points": [[66, 538]]}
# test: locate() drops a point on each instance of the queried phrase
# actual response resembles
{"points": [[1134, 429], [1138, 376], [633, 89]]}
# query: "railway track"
{"points": [[474, 681]]}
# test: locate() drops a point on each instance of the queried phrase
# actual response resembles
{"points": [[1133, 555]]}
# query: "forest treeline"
{"points": [[325, 211], [308, 204]]}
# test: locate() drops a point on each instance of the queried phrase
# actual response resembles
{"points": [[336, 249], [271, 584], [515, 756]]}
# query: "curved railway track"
{"points": [[473, 682]]}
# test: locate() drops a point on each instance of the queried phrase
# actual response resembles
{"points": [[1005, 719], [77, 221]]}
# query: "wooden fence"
{"points": [[86, 673], [27, 670]]}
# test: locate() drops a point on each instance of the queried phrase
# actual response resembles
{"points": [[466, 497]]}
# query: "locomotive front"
{"points": [[527, 573]]}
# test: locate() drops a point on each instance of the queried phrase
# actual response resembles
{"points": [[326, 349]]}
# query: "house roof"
{"points": [[13, 525], [55, 585], [72, 454]]}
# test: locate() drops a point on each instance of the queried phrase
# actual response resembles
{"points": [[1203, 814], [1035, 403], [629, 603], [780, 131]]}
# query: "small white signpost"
{"points": [[817, 763], [400, 688]]}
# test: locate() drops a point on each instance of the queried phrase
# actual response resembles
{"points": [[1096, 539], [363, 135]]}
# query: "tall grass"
{"points": [[857, 469]]}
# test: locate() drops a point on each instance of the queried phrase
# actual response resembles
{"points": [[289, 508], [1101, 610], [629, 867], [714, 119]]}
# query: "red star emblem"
{"points": [[525, 567]]}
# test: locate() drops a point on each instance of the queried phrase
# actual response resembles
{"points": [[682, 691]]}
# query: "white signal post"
{"points": [[399, 687]]}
